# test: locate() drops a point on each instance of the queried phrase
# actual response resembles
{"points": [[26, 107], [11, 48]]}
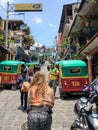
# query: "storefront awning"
{"points": [[2, 49], [21, 55]]}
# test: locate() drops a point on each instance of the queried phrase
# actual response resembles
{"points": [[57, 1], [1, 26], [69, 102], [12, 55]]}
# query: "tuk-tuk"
{"points": [[9, 72], [30, 66], [73, 77]]}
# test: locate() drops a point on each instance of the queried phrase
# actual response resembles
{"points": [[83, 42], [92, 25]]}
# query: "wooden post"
{"points": [[89, 58]]}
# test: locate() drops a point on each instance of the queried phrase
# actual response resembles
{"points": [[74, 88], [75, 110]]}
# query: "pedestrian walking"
{"points": [[22, 82], [40, 103], [53, 76], [24, 68]]}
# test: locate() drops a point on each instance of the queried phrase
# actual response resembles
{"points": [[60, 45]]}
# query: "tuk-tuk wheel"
{"points": [[61, 97], [1, 87], [14, 87]]}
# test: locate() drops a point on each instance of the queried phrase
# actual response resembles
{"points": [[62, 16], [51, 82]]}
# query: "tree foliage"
{"points": [[28, 32], [34, 58], [76, 56], [66, 42], [1, 38]]}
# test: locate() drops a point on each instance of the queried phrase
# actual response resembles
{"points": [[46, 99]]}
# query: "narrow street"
{"points": [[11, 118], [64, 32]]}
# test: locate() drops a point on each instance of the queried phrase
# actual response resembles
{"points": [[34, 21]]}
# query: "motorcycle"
{"points": [[87, 117]]}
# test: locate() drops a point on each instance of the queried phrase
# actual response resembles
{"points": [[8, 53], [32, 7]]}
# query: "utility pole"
{"points": [[19, 8], [56, 48], [6, 32], [7, 21]]}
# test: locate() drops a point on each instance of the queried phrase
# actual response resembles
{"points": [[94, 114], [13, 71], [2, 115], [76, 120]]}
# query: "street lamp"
{"points": [[7, 19]]}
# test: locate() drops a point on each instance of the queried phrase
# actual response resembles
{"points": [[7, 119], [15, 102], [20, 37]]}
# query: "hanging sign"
{"points": [[27, 7]]}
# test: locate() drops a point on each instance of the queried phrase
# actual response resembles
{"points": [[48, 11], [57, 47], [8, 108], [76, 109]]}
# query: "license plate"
{"points": [[6, 78], [75, 83]]}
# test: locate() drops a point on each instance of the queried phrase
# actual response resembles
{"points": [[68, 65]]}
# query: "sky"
{"points": [[44, 25]]}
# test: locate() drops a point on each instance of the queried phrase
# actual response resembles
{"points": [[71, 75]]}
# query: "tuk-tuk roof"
{"points": [[29, 63], [72, 63], [11, 62], [35, 63], [57, 62]]}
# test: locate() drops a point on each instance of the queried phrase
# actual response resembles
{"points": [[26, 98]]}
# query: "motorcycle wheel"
{"points": [[73, 127]]}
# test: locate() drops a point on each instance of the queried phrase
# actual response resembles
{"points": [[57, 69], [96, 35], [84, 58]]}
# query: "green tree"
{"points": [[76, 56], [34, 57], [28, 32], [64, 44]]}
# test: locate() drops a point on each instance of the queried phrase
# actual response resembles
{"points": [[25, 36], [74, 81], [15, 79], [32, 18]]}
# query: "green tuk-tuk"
{"points": [[9, 72], [73, 76]]}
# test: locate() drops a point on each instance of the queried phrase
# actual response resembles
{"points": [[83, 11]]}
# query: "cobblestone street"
{"points": [[49, 64], [11, 118]]}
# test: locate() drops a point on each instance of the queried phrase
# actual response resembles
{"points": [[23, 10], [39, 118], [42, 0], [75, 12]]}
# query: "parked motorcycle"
{"points": [[87, 117], [90, 88]]}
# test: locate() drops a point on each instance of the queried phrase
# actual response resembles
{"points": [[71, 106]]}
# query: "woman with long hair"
{"points": [[40, 103]]}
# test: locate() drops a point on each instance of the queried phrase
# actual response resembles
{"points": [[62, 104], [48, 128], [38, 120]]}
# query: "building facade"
{"points": [[84, 33]]}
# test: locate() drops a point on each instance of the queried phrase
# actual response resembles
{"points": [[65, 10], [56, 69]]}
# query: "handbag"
{"points": [[25, 87]]}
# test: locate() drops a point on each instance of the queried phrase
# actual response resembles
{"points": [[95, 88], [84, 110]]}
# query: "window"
{"points": [[69, 10], [7, 68], [75, 70]]}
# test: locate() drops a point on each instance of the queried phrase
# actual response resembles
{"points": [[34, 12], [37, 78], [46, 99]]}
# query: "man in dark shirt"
{"points": [[23, 78]]}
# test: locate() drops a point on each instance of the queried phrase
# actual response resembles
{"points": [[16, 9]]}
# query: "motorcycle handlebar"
{"points": [[94, 82], [91, 85], [92, 97]]}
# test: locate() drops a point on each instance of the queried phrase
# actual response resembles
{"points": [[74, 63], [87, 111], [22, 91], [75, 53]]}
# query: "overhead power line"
{"points": [[2, 7]]}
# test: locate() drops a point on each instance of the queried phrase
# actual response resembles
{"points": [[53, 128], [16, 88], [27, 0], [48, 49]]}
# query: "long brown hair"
{"points": [[39, 80]]}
